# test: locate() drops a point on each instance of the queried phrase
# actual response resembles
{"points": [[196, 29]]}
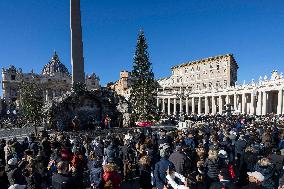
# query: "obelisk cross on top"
{"points": [[77, 59]]}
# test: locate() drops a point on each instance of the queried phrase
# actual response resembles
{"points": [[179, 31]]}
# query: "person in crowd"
{"points": [[224, 181], [33, 178], [267, 169], [172, 176], [14, 173], [62, 180], [162, 166], [4, 182], [145, 172], [212, 166], [255, 179], [180, 161], [111, 177], [96, 172]]}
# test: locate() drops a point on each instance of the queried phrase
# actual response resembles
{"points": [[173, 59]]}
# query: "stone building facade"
{"points": [[257, 98], [213, 72], [54, 81], [123, 85]]}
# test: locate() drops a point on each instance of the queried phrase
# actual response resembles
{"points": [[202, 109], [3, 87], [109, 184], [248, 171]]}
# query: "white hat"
{"points": [[223, 154], [256, 175], [17, 186], [13, 161]]}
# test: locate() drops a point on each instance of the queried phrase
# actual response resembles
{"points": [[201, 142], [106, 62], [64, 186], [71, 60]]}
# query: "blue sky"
{"points": [[176, 30]]}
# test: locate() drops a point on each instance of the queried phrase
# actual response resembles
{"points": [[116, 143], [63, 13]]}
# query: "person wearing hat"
{"points": [[255, 179], [172, 176], [224, 181], [4, 182], [162, 166], [14, 173]]}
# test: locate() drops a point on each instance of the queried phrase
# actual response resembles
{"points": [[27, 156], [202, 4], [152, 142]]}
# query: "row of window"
{"points": [[210, 85], [191, 70]]}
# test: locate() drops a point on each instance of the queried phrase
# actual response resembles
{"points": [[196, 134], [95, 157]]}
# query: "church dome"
{"points": [[54, 66]]}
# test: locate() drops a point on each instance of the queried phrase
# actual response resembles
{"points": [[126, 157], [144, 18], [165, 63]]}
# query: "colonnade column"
{"points": [[193, 105], [180, 105], [199, 105], [46, 95], [163, 105], [206, 105], [280, 102], [252, 104], [158, 102], [258, 106], [213, 105], [235, 102], [264, 103], [227, 99], [186, 105], [175, 106], [220, 105], [243, 103], [169, 106]]}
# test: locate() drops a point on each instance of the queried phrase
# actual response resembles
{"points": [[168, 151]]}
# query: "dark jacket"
{"points": [[253, 186], [212, 168], [96, 177], [223, 184], [240, 145], [268, 173], [160, 172], [179, 161], [34, 181], [4, 182], [111, 152], [145, 177], [15, 176], [61, 181], [249, 160]]}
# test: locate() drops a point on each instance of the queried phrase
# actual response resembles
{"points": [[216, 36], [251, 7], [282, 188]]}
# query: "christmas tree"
{"points": [[31, 102], [143, 92]]}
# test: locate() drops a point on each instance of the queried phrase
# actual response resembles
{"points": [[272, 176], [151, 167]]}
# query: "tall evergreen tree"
{"points": [[143, 92], [31, 102]]}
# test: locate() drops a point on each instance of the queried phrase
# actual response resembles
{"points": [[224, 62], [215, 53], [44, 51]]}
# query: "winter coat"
{"points": [[15, 176], [4, 182], [268, 173], [96, 177], [223, 184], [62, 181], [249, 160], [111, 152], [189, 142], [179, 160], [277, 160], [253, 186], [240, 145], [111, 178], [34, 181], [160, 172], [212, 167], [145, 177]]}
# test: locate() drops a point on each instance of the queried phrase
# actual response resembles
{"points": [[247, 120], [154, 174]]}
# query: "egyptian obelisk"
{"points": [[77, 59]]}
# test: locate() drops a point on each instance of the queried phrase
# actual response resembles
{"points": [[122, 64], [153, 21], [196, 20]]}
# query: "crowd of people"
{"points": [[216, 152]]}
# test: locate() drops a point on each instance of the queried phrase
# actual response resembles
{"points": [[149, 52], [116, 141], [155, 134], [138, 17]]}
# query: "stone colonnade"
{"points": [[249, 102], [49, 94]]}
